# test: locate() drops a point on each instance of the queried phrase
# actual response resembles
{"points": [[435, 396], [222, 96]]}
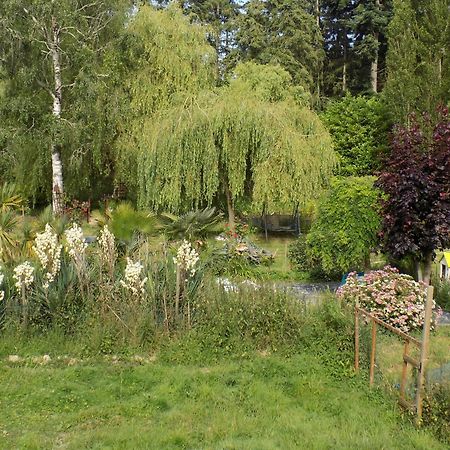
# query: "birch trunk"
{"points": [[374, 69], [57, 174]]}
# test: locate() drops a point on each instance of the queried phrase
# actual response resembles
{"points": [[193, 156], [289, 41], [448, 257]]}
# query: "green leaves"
{"points": [[359, 128], [347, 226], [276, 153]]}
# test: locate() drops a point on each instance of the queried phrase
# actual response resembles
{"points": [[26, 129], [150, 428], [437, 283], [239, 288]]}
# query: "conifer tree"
{"points": [[418, 61]]}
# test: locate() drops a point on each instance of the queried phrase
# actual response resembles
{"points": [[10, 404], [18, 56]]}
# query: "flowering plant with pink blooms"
{"points": [[389, 295]]}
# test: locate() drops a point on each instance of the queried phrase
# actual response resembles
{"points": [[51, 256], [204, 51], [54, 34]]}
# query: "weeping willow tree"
{"points": [[160, 59], [233, 143]]}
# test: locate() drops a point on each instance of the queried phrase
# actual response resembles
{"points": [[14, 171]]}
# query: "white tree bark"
{"points": [[57, 173], [374, 69]]}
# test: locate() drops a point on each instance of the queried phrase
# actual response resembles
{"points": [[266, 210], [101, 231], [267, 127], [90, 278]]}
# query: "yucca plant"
{"points": [[8, 241], [10, 197]]}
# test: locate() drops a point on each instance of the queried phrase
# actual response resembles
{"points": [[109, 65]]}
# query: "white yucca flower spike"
{"points": [[48, 252], [132, 278], [76, 245], [23, 274], [186, 258], [107, 243]]}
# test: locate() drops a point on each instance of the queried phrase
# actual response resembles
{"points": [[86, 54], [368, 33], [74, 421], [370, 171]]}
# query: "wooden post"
{"points": [[405, 370], [356, 338], [372, 355], [424, 354]]}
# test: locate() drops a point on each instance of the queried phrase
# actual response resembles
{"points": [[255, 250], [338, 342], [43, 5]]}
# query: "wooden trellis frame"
{"points": [[420, 365]]}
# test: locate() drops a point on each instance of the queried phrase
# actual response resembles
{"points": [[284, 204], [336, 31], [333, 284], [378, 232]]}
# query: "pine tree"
{"points": [[283, 32], [418, 58]]}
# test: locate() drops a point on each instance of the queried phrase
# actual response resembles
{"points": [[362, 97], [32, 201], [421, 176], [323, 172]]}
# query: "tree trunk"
{"points": [[427, 265], [344, 66], [374, 69], [418, 269], [374, 63], [57, 175], [230, 207]]}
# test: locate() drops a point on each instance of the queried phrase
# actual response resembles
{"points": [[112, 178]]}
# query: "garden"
{"points": [[193, 206]]}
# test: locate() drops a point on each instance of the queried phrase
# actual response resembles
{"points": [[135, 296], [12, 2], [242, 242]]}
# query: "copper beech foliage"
{"points": [[416, 179]]}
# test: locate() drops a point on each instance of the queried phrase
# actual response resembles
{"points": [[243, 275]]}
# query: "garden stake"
{"points": [[424, 355]]}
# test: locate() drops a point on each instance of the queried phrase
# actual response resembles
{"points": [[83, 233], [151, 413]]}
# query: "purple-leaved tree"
{"points": [[416, 179]]}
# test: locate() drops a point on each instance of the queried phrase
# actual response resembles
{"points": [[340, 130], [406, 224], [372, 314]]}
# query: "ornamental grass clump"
{"points": [[389, 295], [48, 252]]}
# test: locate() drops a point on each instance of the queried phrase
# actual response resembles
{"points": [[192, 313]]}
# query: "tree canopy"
{"points": [[418, 60], [359, 128], [416, 181], [234, 142]]}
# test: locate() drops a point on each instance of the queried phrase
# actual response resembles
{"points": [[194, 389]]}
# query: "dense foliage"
{"points": [[359, 128], [416, 181], [418, 64], [232, 143], [347, 226], [49, 51]]}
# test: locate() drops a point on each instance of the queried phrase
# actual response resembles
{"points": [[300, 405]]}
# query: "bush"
{"points": [[442, 293], [347, 225], [239, 257], [302, 261], [436, 410], [392, 297]]}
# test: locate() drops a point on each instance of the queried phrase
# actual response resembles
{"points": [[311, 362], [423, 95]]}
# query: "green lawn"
{"points": [[263, 402]]}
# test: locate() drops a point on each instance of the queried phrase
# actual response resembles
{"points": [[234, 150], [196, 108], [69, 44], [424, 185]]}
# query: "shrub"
{"points": [[442, 293], [301, 259], [436, 410], [392, 297], [239, 257], [347, 225]]}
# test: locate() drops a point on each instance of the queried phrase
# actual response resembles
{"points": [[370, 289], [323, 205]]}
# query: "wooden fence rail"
{"points": [[420, 365]]}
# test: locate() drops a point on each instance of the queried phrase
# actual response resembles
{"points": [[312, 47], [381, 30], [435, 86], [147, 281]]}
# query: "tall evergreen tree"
{"points": [[418, 60], [283, 32], [355, 44]]}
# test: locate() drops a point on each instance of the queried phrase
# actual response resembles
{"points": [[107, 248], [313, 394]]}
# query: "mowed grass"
{"points": [[261, 402]]}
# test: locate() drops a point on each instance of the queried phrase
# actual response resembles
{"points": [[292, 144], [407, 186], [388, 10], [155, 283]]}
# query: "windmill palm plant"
{"points": [[197, 224]]}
